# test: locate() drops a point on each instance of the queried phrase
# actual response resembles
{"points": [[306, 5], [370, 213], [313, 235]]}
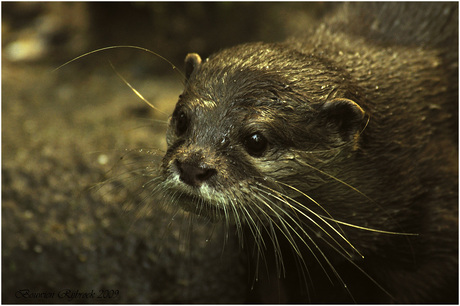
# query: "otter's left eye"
{"points": [[181, 121], [256, 144]]}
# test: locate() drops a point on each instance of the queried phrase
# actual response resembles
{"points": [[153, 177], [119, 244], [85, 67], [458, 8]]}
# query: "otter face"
{"points": [[239, 134], [218, 156]]}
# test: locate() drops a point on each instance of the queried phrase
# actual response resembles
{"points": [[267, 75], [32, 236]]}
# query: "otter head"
{"points": [[251, 128]]}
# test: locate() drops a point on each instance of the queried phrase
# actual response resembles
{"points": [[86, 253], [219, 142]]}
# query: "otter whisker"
{"points": [[238, 223], [136, 92], [253, 226], [258, 239], [259, 228], [286, 201], [309, 198], [359, 192], [227, 222], [339, 180], [294, 245], [347, 256], [120, 47], [286, 232], [132, 172], [282, 221], [323, 255], [361, 270], [370, 229], [280, 268], [273, 237]]}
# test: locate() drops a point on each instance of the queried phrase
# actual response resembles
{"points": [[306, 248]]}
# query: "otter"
{"points": [[332, 156]]}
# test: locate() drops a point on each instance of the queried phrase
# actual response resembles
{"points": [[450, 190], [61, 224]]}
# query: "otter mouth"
{"points": [[200, 207]]}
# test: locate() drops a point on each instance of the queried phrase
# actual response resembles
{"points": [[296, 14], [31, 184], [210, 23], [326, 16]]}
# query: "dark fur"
{"points": [[362, 117]]}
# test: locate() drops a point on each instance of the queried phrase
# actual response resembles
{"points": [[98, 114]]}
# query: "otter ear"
{"points": [[345, 117], [192, 62]]}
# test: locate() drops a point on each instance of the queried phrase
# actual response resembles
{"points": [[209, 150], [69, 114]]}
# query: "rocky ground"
{"points": [[65, 237]]}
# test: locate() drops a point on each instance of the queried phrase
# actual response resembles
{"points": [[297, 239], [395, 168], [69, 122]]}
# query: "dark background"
{"points": [[64, 131]]}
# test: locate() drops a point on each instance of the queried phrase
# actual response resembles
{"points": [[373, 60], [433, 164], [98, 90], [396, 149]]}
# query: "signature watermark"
{"points": [[68, 294]]}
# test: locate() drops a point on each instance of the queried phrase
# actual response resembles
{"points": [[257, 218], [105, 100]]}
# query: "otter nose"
{"points": [[194, 174]]}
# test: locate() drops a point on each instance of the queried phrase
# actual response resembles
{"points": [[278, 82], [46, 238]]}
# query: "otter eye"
{"points": [[181, 121], [256, 144]]}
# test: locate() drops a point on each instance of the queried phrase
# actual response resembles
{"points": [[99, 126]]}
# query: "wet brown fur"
{"points": [[361, 125]]}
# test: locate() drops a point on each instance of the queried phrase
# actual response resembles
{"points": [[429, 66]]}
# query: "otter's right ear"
{"points": [[344, 117], [192, 62]]}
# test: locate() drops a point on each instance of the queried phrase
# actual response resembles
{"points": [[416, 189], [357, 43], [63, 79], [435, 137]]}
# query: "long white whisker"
{"points": [[297, 250], [310, 198], [361, 270], [285, 199]]}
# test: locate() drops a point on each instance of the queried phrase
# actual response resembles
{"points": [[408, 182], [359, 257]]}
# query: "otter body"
{"points": [[334, 156]]}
